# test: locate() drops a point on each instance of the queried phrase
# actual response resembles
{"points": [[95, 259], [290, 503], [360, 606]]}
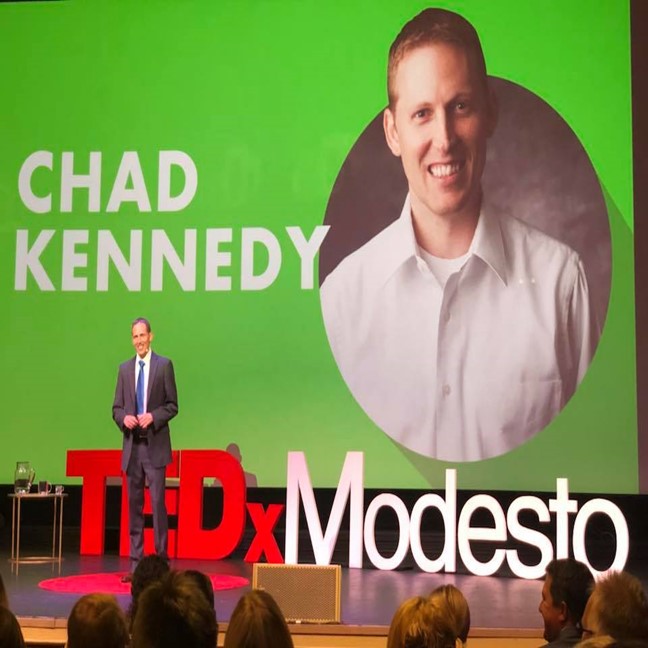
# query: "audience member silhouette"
{"points": [[455, 608], [257, 622], [602, 641], [420, 623], [149, 570], [10, 633], [174, 612], [605, 641], [206, 587], [204, 583], [97, 620], [617, 607], [4, 599], [567, 586]]}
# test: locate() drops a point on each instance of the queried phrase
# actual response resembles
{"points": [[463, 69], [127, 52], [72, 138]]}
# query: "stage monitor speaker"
{"points": [[305, 593]]}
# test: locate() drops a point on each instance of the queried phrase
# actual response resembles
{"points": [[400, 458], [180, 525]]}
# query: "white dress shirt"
{"points": [[147, 367], [473, 368]]}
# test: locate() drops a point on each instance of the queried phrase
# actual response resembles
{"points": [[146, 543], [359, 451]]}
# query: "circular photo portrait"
{"points": [[466, 274]]}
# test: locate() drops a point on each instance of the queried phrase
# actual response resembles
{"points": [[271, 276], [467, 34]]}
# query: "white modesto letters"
{"points": [[458, 534]]}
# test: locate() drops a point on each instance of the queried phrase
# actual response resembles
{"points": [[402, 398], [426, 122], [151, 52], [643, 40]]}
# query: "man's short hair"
{"points": [[174, 612], [431, 27], [97, 620], [141, 320], [621, 607], [257, 622], [571, 583]]}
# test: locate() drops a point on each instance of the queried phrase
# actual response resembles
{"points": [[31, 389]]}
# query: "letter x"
{"points": [[264, 541]]}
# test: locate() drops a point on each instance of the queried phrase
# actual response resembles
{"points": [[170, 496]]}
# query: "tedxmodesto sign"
{"points": [[190, 540]]}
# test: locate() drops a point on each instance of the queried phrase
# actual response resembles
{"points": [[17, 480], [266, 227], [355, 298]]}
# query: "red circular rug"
{"points": [[111, 583]]}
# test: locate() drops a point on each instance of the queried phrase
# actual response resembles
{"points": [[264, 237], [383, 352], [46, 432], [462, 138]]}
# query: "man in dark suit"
{"points": [[145, 401]]}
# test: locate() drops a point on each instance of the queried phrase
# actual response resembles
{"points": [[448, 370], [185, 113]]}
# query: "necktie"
{"points": [[140, 388]]}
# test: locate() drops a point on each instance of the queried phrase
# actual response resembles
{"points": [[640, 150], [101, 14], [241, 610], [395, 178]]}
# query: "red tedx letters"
{"points": [[191, 539]]}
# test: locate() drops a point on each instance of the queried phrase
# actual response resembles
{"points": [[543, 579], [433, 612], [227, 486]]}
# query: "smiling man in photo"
{"points": [[461, 332]]}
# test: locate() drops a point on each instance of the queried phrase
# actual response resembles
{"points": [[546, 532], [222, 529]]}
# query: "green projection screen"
{"points": [[111, 110]]}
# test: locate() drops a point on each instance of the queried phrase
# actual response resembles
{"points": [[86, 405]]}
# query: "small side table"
{"points": [[57, 530]]}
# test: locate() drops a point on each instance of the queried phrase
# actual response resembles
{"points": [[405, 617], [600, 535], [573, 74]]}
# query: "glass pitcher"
{"points": [[23, 477]]}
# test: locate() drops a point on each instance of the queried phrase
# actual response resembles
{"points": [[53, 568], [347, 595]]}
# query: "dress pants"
{"points": [[140, 470]]}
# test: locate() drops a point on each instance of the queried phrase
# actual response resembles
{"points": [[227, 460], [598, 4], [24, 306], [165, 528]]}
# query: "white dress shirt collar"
{"points": [[487, 243], [146, 358]]}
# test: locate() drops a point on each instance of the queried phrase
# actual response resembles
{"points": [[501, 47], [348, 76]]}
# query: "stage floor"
{"points": [[369, 596]]}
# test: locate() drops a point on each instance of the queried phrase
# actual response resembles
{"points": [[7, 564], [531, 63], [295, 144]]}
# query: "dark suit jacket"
{"points": [[162, 403]]}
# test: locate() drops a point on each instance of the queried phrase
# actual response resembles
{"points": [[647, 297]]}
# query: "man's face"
{"points": [[141, 339], [554, 614], [440, 123], [590, 622]]}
